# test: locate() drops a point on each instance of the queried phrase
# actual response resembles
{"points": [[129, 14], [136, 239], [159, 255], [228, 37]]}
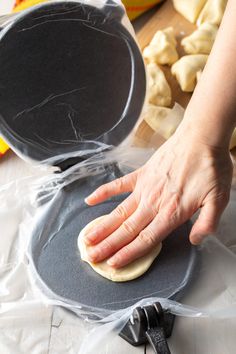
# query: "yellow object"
{"points": [[3, 147], [137, 7], [24, 4], [134, 7]]}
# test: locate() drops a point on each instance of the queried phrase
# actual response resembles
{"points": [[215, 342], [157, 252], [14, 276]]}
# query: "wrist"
{"points": [[215, 133]]}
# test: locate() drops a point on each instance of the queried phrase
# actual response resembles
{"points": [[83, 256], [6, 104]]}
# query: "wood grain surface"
{"points": [[161, 17], [164, 16]]}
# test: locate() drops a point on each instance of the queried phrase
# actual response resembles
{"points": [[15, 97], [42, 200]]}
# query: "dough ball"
{"points": [[162, 48], [186, 70], [212, 12], [129, 272], [190, 9], [162, 120], [158, 89], [201, 40], [233, 140]]}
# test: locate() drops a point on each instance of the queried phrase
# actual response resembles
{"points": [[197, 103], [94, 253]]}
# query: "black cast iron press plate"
{"points": [[56, 258], [71, 75]]}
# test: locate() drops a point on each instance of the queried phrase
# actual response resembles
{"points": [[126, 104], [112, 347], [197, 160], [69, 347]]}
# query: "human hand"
{"points": [[184, 175]]}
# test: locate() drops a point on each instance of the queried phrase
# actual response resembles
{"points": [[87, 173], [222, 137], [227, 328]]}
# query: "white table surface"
{"points": [[53, 330]]}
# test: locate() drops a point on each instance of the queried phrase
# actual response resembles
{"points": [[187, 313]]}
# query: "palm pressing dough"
{"points": [[201, 40], [186, 70], [158, 89], [162, 48], [190, 9], [129, 272], [212, 12]]}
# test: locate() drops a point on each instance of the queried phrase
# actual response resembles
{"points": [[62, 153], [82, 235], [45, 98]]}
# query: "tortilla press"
{"points": [[72, 84]]}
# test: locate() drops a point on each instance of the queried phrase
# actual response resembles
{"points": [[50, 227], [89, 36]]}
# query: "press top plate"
{"points": [[71, 79]]}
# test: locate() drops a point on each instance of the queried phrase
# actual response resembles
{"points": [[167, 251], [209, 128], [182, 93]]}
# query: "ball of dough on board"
{"points": [[158, 89], [212, 12], [162, 48], [190, 9], [186, 69], [129, 272], [201, 40]]}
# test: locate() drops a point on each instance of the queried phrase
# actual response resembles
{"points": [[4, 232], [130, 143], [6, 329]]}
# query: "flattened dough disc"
{"points": [[131, 271], [56, 260]]}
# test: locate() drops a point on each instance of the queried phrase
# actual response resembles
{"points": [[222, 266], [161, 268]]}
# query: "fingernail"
{"points": [[87, 199]]}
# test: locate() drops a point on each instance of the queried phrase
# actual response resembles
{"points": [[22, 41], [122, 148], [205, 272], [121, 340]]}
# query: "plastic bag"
{"points": [[211, 298], [33, 318]]}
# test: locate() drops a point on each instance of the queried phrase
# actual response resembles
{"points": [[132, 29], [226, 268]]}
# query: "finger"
{"points": [[207, 221], [154, 233], [112, 221], [120, 185], [122, 236]]}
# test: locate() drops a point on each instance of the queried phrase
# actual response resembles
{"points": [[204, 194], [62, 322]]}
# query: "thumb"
{"points": [[207, 221]]}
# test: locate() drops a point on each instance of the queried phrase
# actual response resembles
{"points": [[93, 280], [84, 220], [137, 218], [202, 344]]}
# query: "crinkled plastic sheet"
{"points": [[211, 300], [34, 321], [80, 145]]}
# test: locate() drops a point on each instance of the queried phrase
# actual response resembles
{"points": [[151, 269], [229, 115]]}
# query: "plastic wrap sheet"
{"points": [[210, 302], [32, 321], [70, 77]]}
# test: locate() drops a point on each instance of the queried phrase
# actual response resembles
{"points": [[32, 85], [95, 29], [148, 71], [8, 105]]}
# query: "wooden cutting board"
{"points": [[164, 16]]}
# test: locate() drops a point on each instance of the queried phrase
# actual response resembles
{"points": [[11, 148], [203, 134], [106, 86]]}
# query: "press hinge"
{"points": [[150, 324]]}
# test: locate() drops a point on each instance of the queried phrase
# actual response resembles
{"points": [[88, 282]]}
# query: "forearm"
{"points": [[212, 108]]}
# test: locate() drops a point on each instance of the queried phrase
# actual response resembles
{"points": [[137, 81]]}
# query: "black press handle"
{"points": [[149, 324], [156, 337]]}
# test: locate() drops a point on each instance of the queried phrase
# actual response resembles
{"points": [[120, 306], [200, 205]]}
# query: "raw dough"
{"points": [[212, 12], [190, 9], [162, 48], [186, 70], [201, 40], [154, 116], [162, 120], [129, 272], [158, 89], [198, 76]]}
